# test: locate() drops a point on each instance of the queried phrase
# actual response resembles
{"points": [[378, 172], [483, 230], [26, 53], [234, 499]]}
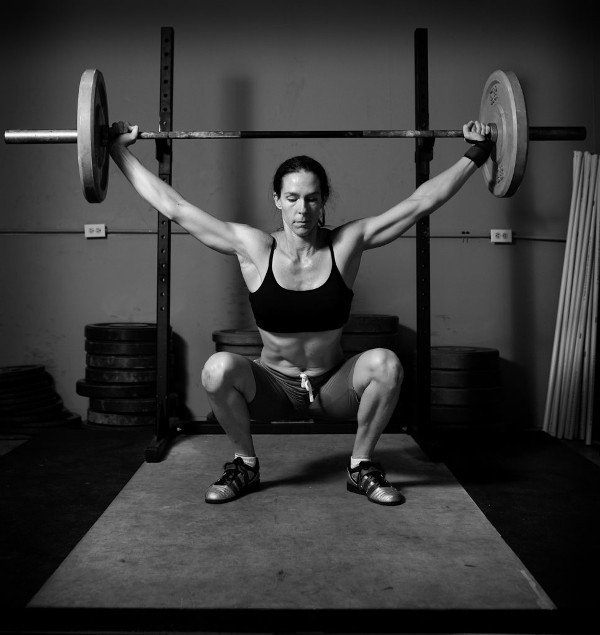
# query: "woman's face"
{"points": [[300, 202]]}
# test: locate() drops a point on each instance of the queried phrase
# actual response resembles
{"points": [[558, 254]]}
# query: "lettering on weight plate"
{"points": [[494, 94], [499, 173]]}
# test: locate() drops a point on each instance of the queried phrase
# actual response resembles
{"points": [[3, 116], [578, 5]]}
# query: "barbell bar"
{"points": [[567, 133], [502, 107]]}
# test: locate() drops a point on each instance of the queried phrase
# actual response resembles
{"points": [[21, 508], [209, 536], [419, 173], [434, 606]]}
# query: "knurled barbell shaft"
{"points": [[564, 133]]}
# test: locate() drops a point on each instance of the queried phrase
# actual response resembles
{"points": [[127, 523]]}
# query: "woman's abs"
{"points": [[313, 353]]}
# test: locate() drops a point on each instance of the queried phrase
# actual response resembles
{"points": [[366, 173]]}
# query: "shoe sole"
{"points": [[356, 490], [253, 487]]}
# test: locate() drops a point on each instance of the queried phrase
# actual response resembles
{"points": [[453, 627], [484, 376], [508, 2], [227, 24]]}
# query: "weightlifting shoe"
{"points": [[238, 479], [368, 478]]}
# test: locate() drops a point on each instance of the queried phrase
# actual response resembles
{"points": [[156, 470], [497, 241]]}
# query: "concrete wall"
{"points": [[273, 65]]}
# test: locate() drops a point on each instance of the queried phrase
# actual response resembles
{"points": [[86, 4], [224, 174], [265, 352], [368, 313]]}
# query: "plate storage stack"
{"points": [[120, 374], [28, 399], [465, 385]]}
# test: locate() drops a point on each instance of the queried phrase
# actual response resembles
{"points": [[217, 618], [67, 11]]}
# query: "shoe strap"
{"points": [[372, 469], [232, 469], [367, 467]]}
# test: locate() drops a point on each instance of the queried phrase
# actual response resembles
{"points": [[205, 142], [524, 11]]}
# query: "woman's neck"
{"points": [[299, 247]]}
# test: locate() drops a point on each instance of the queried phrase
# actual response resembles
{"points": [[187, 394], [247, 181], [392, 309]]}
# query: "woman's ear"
{"points": [[276, 200]]}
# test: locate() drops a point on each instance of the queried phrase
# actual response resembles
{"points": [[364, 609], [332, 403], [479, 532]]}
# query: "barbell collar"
{"points": [[563, 133]]}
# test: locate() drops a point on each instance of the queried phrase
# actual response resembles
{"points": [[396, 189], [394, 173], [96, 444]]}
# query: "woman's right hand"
{"points": [[123, 134]]}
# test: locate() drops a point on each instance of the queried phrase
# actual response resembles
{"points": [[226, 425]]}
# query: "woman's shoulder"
{"points": [[253, 235], [347, 234]]}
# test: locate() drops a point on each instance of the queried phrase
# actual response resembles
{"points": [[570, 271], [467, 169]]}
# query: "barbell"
{"points": [[502, 107]]}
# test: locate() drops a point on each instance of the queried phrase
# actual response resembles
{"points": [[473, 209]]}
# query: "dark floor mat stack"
{"points": [[28, 399]]}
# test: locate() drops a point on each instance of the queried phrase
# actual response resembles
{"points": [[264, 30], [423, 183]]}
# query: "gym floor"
{"points": [[539, 493]]}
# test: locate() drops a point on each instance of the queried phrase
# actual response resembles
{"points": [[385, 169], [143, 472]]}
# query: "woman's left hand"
{"points": [[475, 131]]}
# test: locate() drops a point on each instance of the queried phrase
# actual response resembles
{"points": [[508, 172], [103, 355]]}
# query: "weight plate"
{"points": [[121, 332], [121, 362], [114, 391], [359, 342], [92, 135], [371, 323], [26, 391], [241, 337], [465, 378], [56, 404], [101, 375], [65, 418], [465, 396], [124, 406], [464, 358], [119, 420], [129, 349], [9, 374], [34, 400], [467, 414], [240, 350], [32, 416], [503, 104]]}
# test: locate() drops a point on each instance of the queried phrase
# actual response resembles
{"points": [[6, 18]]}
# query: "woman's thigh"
{"points": [[337, 399], [272, 400]]}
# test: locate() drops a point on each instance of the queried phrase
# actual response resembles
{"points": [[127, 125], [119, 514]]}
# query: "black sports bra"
{"points": [[281, 310]]}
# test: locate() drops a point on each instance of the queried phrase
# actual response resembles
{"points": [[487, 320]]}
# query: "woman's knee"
{"points": [[384, 366], [222, 370]]}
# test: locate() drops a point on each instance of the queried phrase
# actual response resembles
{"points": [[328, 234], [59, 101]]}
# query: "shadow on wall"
{"points": [[407, 352], [233, 180], [517, 381], [515, 406], [181, 377], [236, 159]]}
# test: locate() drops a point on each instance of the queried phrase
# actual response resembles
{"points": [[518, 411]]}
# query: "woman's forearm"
{"points": [[160, 195], [441, 188]]}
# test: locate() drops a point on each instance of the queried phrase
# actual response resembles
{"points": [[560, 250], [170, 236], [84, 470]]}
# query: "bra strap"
{"points": [[333, 263], [273, 245]]}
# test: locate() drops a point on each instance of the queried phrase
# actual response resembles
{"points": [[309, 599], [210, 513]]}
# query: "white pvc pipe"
{"points": [[550, 418], [577, 303], [594, 319]]}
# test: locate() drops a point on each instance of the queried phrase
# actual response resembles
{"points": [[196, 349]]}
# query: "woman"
{"points": [[300, 280]]}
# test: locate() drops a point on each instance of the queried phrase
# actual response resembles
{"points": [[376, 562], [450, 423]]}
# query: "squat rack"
{"points": [[166, 424]]}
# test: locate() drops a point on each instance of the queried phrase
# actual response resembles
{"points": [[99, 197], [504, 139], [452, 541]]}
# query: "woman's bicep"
{"points": [[222, 236]]}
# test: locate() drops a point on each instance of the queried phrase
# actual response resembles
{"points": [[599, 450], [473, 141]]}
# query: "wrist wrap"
{"points": [[479, 152]]}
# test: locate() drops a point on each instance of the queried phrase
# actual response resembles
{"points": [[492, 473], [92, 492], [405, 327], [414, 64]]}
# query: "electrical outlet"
{"points": [[501, 235], [96, 230]]}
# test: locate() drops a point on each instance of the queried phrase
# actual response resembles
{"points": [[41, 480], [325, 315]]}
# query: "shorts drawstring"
{"points": [[307, 386]]}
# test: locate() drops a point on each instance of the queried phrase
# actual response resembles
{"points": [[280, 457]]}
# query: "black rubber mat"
{"points": [[52, 490], [543, 497]]}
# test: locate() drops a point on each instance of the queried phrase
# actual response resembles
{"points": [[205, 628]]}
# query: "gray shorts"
{"points": [[280, 396]]}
